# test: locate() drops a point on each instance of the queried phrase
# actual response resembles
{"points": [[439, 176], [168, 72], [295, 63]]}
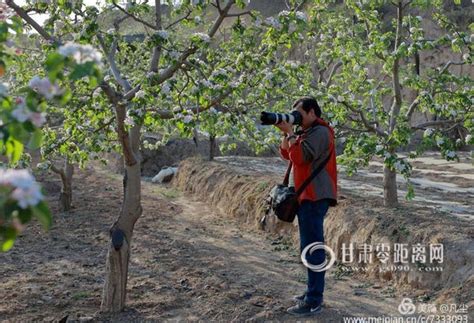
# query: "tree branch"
{"points": [[133, 16], [24, 15], [157, 49], [436, 123], [113, 66], [169, 72], [366, 123], [397, 102], [179, 20]]}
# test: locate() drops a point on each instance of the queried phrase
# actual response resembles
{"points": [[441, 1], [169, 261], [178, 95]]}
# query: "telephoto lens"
{"points": [[270, 118]]}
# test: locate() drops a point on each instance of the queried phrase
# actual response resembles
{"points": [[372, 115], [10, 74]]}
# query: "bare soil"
{"points": [[188, 263]]}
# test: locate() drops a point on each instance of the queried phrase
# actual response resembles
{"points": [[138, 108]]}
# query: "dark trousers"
{"points": [[310, 221]]}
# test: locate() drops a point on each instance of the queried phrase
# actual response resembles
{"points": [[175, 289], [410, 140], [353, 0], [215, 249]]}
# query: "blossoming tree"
{"points": [[165, 82], [372, 76], [21, 117]]}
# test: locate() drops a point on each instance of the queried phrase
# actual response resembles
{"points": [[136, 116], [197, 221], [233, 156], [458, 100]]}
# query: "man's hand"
{"points": [[285, 127]]}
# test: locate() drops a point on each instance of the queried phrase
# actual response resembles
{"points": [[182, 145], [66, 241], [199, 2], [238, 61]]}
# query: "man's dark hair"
{"points": [[309, 103]]}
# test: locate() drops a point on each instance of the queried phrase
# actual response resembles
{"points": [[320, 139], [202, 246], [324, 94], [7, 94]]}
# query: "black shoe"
{"points": [[299, 298], [304, 309]]}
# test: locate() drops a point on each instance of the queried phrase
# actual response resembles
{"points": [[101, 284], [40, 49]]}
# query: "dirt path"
{"points": [[187, 263], [438, 184]]}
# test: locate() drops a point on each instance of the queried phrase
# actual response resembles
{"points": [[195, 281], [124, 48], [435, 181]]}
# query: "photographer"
{"points": [[306, 150]]}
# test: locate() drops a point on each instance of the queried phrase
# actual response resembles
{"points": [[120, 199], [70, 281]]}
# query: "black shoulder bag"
{"points": [[283, 200]]}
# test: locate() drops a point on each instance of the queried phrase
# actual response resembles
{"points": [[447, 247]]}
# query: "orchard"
{"points": [[82, 81]]}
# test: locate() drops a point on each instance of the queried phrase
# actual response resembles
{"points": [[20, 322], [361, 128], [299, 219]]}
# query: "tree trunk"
{"points": [[118, 255], [65, 197], [390, 187], [115, 288], [212, 147]]}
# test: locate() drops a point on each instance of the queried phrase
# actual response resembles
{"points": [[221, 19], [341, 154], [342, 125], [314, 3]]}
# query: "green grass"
{"points": [[81, 295], [167, 192]]}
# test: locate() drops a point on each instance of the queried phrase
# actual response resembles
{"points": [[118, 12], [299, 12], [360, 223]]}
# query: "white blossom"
{"points": [[399, 165], [44, 87], [428, 132], [21, 113], [166, 88], [468, 138], [173, 54], [163, 34], [129, 121], [206, 83], [37, 118], [30, 196], [203, 37], [3, 89], [197, 19], [273, 22], [450, 154], [81, 53], [26, 190], [97, 92], [378, 148], [213, 110], [140, 94], [284, 13], [439, 141], [258, 22], [187, 118], [301, 16], [219, 72]]}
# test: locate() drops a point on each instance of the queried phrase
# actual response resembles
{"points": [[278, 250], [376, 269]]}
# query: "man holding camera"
{"points": [[307, 149]]}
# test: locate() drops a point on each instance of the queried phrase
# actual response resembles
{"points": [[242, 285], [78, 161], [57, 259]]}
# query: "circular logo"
{"points": [[406, 307], [325, 265]]}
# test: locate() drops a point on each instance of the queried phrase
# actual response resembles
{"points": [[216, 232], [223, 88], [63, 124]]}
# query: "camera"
{"points": [[270, 118]]}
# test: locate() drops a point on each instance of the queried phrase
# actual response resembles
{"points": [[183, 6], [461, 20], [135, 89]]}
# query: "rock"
{"points": [[165, 175]]}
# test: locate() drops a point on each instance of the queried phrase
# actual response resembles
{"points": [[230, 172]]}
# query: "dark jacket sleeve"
{"points": [[311, 148]]}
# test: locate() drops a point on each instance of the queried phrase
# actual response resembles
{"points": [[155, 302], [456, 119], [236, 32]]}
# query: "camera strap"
{"points": [[310, 178], [313, 174], [287, 175]]}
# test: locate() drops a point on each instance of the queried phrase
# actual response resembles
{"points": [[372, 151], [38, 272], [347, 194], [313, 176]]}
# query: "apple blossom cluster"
{"points": [[271, 21], [428, 132], [44, 87], [140, 94], [450, 154], [81, 53], [3, 89], [22, 114], [301, 16], [202, 37], [163, 34], [468, 139], [23, 187], [186, 118], [5, 11]]}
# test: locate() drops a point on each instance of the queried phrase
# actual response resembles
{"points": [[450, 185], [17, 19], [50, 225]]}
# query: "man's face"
{"points": [[308, 117]]}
